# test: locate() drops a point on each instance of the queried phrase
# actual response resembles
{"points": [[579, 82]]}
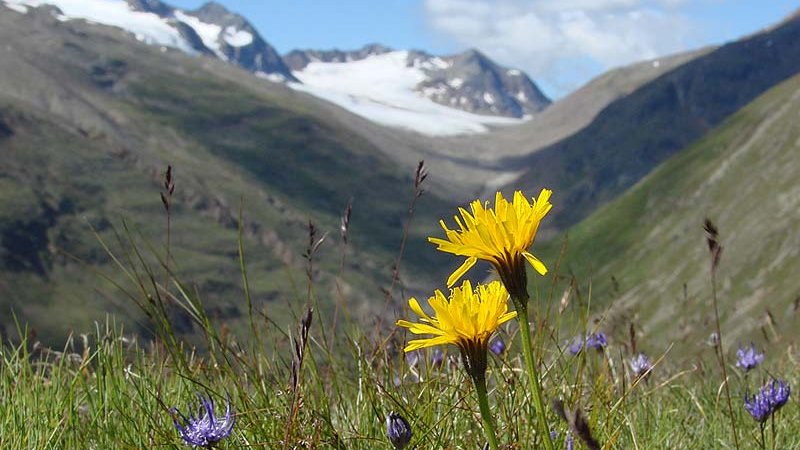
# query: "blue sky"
{"points": [[561, 44]]}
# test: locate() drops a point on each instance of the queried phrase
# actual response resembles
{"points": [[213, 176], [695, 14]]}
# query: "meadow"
{"points": [[333, 382]]}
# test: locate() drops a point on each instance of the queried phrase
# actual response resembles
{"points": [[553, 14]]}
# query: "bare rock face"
{"points": [[236, 40]]}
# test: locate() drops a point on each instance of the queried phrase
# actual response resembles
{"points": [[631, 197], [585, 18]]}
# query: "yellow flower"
{"points": [[467, 319], [501, 236]]}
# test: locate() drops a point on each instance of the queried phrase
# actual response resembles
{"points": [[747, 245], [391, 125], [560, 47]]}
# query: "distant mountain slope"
{"points": [[637, 132], [743, 176], [89, 120]]}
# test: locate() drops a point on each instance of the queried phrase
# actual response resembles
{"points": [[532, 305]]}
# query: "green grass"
{"points": [[108, 389]]}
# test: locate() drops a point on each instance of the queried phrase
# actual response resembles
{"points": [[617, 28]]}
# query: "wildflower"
{"points": [[467, 319], [206, 429], [500, 236], [777, 393], [398, 430], [640, 365], [575, 345], [769, 399], [748, 358], [437, 358], [758, 406], [597, 341], [497, 346]]}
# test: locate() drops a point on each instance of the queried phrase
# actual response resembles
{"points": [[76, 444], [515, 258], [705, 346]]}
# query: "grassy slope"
{"points": [[743, 176], [91, 121]]}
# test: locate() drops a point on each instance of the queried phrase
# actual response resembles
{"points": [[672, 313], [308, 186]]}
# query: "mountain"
{"points": [[646, 256], [89, 120], [464, 93], [635, 133], [468, 81], [232, 38], [209, 30]]}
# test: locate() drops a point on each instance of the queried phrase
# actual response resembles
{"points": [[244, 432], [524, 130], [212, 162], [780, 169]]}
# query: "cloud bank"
{"points": [[563, 43]]}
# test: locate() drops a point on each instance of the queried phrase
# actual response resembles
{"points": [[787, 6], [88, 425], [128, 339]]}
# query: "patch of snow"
{"points": [[434, 91], [237, 38], [488, 98], [456, 83], [440, 63], [521, 96], [434, 63], [274, 77], [147, 27], [514, 72], [382, 88], [656, 63], [17, 7], [208, 32]]}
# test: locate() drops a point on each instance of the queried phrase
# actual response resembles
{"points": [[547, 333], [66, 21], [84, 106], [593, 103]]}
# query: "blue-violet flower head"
{"points": [[207, 428], [398, 430], [575, 345], [437, 357], [758, 406], [497, 346], [640, 365], [778, 394], [597, 341], [748, 358]]}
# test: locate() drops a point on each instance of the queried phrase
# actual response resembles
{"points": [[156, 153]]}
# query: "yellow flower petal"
{"points": [[458, 273], [534, 261]]}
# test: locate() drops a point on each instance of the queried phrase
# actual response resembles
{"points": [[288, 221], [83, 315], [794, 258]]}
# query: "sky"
{"points": [[560, 44]]}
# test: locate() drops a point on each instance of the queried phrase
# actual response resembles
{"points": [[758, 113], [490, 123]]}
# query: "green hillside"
{"points": [[634, 134], [640, 250], [89, 121]]}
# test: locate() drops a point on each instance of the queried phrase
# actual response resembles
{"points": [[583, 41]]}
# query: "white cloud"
{"points": [[563, 43]]}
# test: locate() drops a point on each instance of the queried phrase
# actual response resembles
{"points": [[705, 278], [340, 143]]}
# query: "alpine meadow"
{"points": [[209, 241]]}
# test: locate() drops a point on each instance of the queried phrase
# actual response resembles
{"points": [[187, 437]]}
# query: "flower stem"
{"points": [[533, 374], [486, 414]]}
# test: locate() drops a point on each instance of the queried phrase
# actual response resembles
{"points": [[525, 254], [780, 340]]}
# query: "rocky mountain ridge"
{"points": [[469, 81]]}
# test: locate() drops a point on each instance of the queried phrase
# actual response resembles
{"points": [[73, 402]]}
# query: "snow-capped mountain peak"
{"points": [[211, 29], [384, 87], [467, 81]]}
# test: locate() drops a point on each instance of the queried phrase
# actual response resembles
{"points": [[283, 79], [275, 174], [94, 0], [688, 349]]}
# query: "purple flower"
{"points": [[640, 365], [778, 394], [597, 341], [758, 406], [575, 345], [497, 346], [398, 430], [206, 429], [748, 358], [437, 357], [768, 400], [569, 441]]}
